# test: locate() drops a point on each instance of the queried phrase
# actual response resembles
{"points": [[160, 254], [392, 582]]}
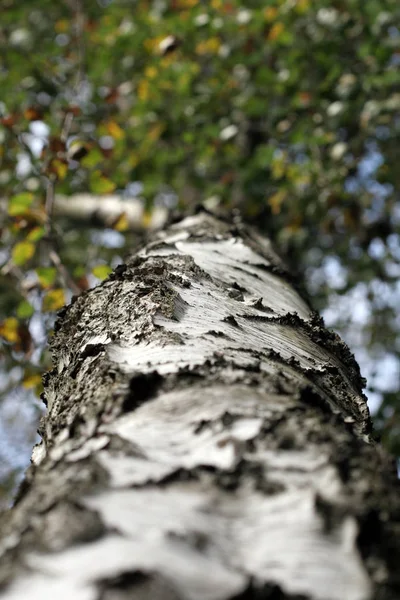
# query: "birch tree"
{"points": [[206, 438]]}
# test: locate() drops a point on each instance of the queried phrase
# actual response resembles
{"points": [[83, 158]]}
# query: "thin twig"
{"points": [[63, 272], [65, 130]]}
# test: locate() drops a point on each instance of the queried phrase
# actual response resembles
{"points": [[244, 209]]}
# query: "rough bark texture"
{"points": [[206, 439]]}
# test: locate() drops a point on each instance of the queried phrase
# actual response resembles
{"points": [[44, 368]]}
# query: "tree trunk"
{"points": [[205, 439]]}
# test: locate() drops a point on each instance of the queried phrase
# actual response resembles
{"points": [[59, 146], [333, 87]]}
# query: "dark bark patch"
{"points": [[370, 533], [331, 514], [137, 585], [309, 396], [230, 319], [256, 317], [142, 387], [268, 591], [235, 294], [250, 471], [67, 524], [89, 350], [239, 288], [123, 447], [118, 272], [202, 425], [219, 334]]}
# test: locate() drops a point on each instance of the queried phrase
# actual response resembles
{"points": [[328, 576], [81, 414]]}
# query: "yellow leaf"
{"points": [[31, 380], [146, 219], [151, 43], [59, 167], [278, 167], [115, 130], [61, 25], [143, 90], [270, 13], [302, 6], [155, 131], [275, 31], [187, 3], [210, 46], [151, 72], [22, 252], [122, 223], [9, 330], [53, 300], [133, 159], [294, 226], [275, 201]]}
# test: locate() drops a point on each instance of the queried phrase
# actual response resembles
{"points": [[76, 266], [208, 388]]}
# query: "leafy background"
{"points": [[286, 109]]}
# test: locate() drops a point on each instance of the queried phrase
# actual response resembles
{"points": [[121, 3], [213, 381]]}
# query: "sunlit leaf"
{"points": [[147, 219], [270, 13], [36, 234], [115, 130], [31, 380], [22, 252], [46, 276], [143, 89], [275, 201], [53, 300], [99, 184], [59, 168], [210, 46], [62, 25], [276, 31], [122, 223], [20, 204], [92, 158], [25, 310], [101, 271], [302, 5], [9, 330]]}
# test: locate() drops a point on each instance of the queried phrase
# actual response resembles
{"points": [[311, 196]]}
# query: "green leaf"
{"points": [[93, 158], [99, 184], [101, 271], [22, 252], [46, 276], [20, 204], [25, 310], [36, 234]]}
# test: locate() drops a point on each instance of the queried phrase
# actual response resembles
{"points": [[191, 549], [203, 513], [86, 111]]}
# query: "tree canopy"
{"points": [[288, 110]]}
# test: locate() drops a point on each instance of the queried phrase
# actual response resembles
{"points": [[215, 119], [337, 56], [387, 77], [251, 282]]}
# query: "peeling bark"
{"points": [[205, 439]]}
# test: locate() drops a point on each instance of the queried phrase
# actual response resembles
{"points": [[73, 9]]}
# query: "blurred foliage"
{"points": [[286, 109]]}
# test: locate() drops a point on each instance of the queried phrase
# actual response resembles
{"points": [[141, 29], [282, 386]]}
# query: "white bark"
{"points": [[104, 210], [206, 439], [107, 209]]}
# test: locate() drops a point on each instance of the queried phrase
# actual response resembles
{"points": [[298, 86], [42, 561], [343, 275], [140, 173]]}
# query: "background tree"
{"points": [[288, 110]]}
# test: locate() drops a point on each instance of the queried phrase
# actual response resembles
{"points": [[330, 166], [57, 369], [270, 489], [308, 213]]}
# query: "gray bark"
{"points": [[205, 439]]}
